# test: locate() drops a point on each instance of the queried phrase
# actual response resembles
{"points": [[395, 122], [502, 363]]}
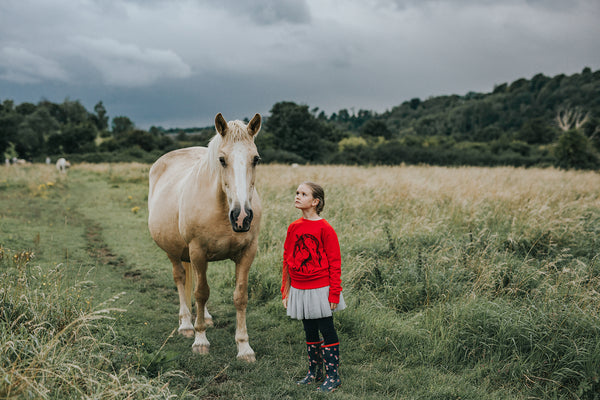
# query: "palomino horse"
{"points": [[203, 207]]}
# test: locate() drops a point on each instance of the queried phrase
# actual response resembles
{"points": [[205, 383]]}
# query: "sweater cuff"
{"points": [[334, 298]]}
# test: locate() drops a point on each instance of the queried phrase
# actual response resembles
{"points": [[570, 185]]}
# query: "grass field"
{"points": [[461, 283]]}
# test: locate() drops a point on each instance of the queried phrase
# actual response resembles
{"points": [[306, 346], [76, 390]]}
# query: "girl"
{"points": [[311, 287]]}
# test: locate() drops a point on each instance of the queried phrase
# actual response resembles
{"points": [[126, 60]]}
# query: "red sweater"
{"points": [[311, 258]]}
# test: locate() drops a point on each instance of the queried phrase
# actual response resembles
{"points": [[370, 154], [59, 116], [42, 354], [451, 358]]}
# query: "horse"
{"points": [[202, 207], [62, 165]]}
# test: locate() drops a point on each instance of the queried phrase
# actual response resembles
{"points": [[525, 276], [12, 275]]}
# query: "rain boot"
{"points": [[331, 359], [315, 364]]}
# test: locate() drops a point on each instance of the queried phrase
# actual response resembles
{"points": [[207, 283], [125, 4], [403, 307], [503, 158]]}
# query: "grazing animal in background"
{"points": [[203, 207], [62, 165]]}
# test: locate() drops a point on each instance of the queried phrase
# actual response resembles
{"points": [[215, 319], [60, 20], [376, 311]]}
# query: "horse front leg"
{"points": [[198, 261], [240, 300], [182, 277]]}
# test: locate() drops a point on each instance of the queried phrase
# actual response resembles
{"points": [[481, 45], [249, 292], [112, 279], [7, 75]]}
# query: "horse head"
{"points": [[238, 157]]}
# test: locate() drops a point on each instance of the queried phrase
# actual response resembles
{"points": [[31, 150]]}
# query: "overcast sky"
{"points": [[176, 63]]}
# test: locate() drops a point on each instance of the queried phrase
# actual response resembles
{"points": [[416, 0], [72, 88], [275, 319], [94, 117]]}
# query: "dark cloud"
{"points": [[179, 62], [267, 12]]}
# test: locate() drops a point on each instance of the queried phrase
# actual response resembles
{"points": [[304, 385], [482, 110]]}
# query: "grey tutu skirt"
{"points": [[311, 303]]}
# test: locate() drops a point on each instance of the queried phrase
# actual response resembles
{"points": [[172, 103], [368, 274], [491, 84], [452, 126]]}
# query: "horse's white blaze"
{"points": [[240, 164]]}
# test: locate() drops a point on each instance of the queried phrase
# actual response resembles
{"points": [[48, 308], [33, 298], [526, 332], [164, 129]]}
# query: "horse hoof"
{"points": [[200, 349], [247, 357], [188, 333]]}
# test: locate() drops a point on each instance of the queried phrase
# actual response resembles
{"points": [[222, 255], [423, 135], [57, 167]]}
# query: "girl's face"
{"points": [[304, 198]]}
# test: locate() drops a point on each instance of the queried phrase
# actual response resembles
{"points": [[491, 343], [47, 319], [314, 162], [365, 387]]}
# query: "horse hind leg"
{"points": [[183, 277]]}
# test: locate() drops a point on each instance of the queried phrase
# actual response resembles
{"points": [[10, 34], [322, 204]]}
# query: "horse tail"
{"points": [[189, 284]]}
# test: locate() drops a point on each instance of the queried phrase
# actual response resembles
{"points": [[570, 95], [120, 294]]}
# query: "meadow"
{"points": [[461, 283]]}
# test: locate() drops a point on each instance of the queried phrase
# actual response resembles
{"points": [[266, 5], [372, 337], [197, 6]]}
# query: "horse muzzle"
{"points": [[240, 219]]}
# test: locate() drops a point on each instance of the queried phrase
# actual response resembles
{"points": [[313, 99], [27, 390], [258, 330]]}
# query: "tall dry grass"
{"points": [[462, 267], [54, 344]]}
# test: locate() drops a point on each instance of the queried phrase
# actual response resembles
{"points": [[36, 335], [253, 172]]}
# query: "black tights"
{"points": [[325, 325]]}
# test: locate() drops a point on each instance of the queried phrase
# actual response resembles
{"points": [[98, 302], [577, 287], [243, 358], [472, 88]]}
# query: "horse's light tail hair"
{"points": [[189, 284]]}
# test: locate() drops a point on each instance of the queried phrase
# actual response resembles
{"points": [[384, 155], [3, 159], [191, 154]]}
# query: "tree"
{"points": [[78, 138], [571, 118], [100, 119], [25, 108], [9, 129], [10, 152], [414, 103], [536, 131], [143, 139], [297, 131], [30, 143], [343, 115], [121, 125], [375, 128], [7, 106], [34, 131], [73, 112], [574, 150]]}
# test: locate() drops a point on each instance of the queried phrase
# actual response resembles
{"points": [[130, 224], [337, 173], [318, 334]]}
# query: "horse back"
{"points": [[174, 165], [166, 178]]}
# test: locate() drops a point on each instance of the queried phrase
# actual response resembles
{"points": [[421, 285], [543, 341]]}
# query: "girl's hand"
{"points": [[284, 302], [333, 305]]}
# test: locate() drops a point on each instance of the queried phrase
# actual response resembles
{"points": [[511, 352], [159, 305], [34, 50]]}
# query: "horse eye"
{"points": [[256, 160], [222, 161]]}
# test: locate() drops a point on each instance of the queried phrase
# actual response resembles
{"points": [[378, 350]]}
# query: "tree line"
{"points": [[542, 121]]}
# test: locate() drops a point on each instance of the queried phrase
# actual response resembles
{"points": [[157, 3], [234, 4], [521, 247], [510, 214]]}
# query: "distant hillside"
{"points": [[515, 124], [524, 110]]}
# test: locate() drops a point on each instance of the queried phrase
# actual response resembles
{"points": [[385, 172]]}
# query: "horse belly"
{"points": [[163, 223]]}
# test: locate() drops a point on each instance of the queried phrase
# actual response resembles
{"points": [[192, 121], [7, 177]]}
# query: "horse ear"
{"points": [[254, 125], [220, 124]]}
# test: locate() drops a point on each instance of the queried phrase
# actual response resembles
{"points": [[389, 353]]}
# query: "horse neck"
{"points": [[210, 175]]}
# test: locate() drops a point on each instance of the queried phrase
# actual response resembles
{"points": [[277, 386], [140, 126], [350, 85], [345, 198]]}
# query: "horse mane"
{"points": [[237, 131]]}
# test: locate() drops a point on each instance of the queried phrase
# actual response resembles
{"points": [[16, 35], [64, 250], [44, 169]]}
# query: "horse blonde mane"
{"points": [[237, 131]]}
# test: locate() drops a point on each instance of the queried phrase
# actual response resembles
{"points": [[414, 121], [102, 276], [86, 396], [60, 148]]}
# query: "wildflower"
{"points": [[135, 209]]}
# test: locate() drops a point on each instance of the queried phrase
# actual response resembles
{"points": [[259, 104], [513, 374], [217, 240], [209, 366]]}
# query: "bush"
{"points": [[574, 150]]}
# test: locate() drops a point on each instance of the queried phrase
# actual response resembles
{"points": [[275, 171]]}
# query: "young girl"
{"points": [[311, 287]]}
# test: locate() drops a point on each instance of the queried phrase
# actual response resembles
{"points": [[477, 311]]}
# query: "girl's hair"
{"points": [[318, 193]]}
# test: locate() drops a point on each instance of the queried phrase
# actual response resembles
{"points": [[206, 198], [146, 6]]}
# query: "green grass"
{"points": [[462, 283]]}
